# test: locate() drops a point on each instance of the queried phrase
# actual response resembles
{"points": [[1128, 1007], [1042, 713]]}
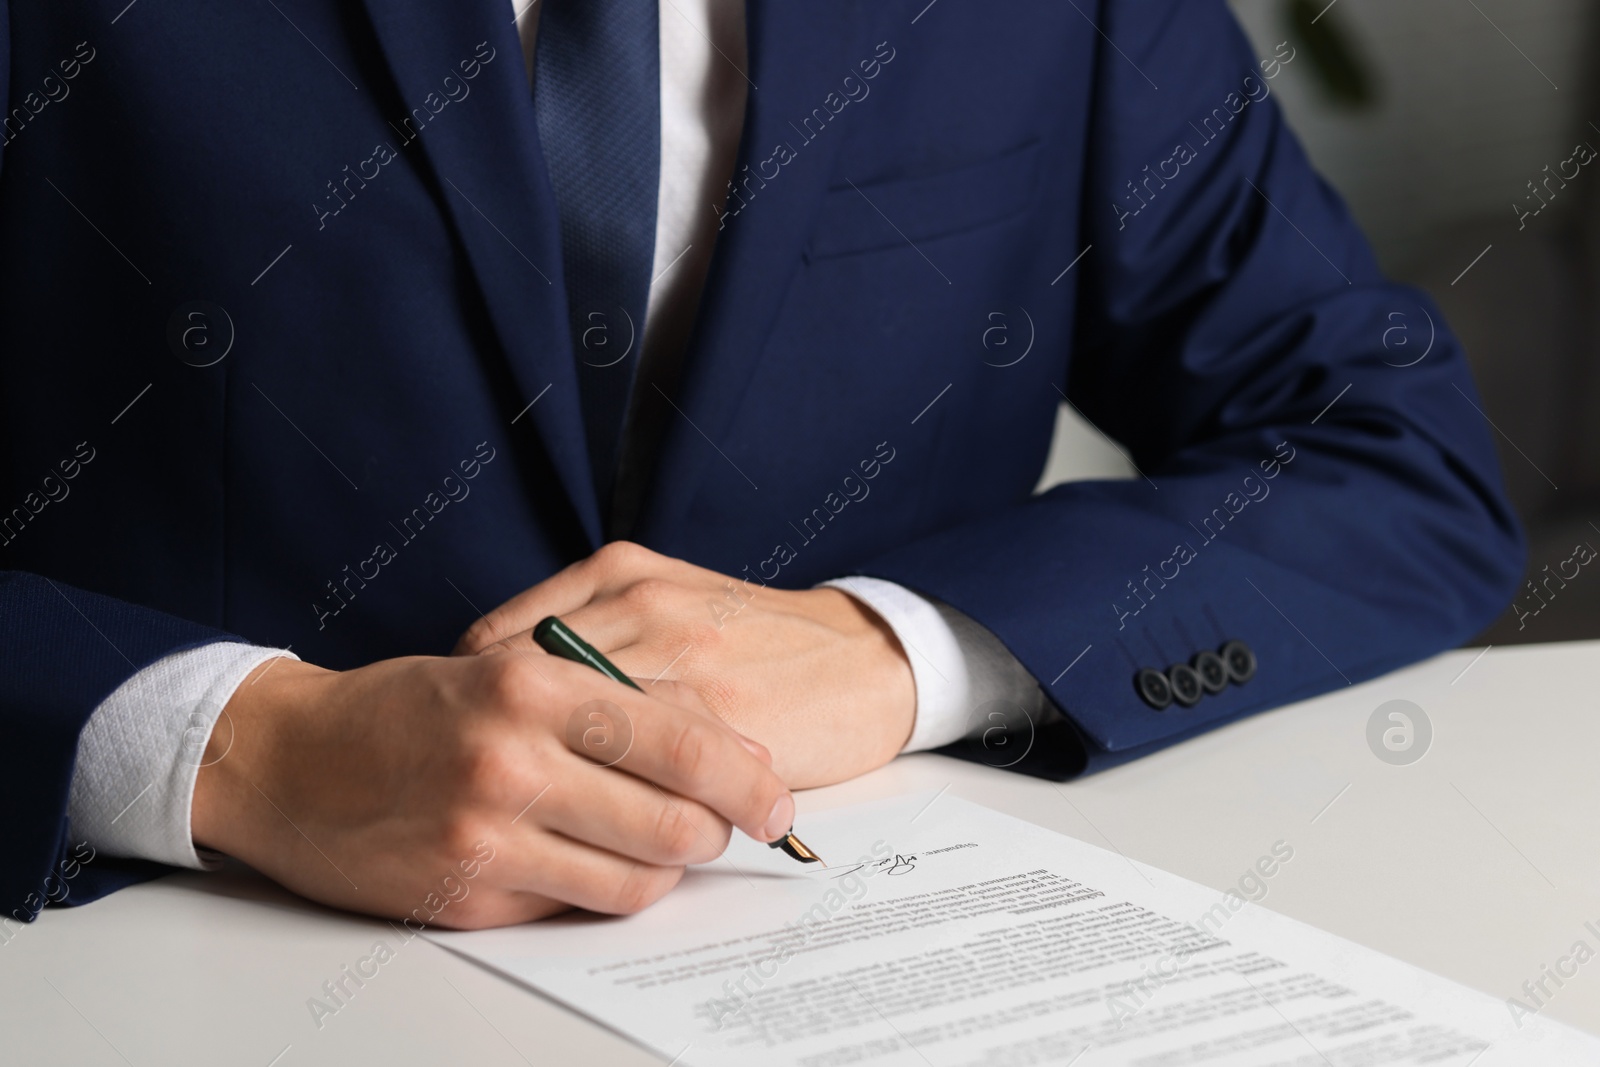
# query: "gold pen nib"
{"points": [[796, 848]]}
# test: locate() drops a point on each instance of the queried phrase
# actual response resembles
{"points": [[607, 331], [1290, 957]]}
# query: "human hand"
{"points": [[366, 789], [814, 675]]}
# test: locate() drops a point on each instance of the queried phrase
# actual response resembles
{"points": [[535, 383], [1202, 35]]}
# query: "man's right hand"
{"points": [[365, 788]]}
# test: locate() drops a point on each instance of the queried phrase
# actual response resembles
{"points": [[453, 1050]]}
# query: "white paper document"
{"points": [[950, 935]]}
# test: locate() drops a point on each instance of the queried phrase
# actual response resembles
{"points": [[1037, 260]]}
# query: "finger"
{"points": [[687, 753], [687, 697], [635, 819], [555, 866], [629, 628], [592, 745], [678, 694], [521, 643], [614, 565], [631, 660], [674, 692], [562, 592], [698, 757], [621, 618], [756, 749]]}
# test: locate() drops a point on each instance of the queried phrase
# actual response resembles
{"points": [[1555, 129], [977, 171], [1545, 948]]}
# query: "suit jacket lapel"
{"points": [[799, 53], [484, 150]]}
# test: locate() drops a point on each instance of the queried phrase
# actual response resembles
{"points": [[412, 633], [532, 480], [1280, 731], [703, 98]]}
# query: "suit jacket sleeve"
{"points": [[1312, 487], [63, 652]]}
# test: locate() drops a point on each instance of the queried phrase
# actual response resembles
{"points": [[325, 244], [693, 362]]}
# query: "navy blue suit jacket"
{"points": [[353, 208]]}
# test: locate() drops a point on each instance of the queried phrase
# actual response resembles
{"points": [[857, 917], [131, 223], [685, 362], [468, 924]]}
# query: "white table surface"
{"points": [[1480, 862]]}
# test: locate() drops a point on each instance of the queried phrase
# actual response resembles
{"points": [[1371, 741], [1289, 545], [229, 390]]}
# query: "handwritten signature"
{"points": [[891, 865]]}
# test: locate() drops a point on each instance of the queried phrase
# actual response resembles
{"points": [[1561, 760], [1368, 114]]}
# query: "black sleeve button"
{"points": [[1153, 688], [1212, 671], [1186, 687], [1240, 660]]}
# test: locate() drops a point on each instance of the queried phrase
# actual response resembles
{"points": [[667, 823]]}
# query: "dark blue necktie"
{"points": [[597, 95]]}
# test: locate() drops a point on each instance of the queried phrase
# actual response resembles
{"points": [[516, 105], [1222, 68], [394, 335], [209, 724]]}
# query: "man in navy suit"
{"points": [[735, 336]]}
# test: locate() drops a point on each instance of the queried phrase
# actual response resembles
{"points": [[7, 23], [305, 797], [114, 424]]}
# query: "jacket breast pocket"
{"points": [[925, 207]]}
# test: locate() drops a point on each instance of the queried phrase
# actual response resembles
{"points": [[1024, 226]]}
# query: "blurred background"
{"points": [[1437, 119]]}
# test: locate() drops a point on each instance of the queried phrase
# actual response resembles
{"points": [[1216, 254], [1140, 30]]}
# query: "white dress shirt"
{"points": [[141, 750]]}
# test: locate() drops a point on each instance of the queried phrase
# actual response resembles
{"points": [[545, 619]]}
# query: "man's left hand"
{"points": [[813, 674]]}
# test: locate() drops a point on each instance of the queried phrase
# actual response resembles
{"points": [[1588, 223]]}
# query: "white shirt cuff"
{"points": [[963, 673], [139, 753]]}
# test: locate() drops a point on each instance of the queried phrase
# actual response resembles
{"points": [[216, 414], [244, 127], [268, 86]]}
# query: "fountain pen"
{"points": [[559, 639]]}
